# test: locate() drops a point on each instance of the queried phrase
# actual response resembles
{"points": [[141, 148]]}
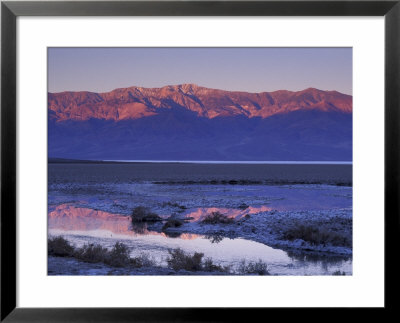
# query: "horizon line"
{"points": [[230, 161], [199, 86], [255, 162]]}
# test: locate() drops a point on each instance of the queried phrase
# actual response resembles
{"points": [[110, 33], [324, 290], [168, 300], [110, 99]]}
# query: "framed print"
{"points": [[180, 155]]}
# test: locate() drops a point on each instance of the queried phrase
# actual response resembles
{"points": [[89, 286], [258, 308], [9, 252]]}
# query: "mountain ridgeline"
{"points": [[189, 122]]}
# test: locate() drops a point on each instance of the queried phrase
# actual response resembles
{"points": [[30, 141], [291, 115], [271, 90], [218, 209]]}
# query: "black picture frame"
{"points": [[10, 10]]}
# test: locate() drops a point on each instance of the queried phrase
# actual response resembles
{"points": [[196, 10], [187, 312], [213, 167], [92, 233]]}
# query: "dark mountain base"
{"points": [[178, 134]]}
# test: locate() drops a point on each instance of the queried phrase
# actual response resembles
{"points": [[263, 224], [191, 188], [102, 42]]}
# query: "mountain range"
{"points": [[190, 122]]}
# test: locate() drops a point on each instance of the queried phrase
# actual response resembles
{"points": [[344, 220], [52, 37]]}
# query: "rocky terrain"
{"points": [[189, 122], [138, 102]]}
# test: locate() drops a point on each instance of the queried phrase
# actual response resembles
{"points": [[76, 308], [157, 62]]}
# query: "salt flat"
{"points": [[93, 202]]}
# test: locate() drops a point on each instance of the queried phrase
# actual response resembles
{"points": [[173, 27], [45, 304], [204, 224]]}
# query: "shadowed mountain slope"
{"points": [[188, 122]]}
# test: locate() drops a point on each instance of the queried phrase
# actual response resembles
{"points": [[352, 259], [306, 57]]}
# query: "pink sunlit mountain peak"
{"points": [[139, 102]]}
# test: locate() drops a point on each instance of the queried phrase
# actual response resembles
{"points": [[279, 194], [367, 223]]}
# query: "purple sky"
{"points": [[244, 69]]}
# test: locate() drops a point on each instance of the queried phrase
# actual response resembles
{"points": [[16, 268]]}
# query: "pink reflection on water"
{"points": [[67, 217], [200, 213]]}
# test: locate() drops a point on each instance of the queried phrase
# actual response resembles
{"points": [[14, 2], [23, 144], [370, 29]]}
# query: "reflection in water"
{"points": [[82, 226], [170, 234], [66, 217], [214, 238], [316, 258], [70, 218], [199, 213], [139, 228]]}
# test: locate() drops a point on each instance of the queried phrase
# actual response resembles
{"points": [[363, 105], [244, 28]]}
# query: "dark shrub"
{"points": [[91, 253], [143, 260], [59, 247], [253, 268], [172, 223], [339, 273], [217, 218], [178, 260], [118, 256], [208, 265], [316, 235], [143, 214]]}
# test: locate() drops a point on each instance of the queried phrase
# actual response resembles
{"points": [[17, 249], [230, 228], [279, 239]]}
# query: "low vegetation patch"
{"points": [[217, 218], [143, 260], [253, 268], [117, 256], [180, 260], [209, 265], [144, 214], [92, 253], [317, 235], [339, 273], [59, 247]]}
